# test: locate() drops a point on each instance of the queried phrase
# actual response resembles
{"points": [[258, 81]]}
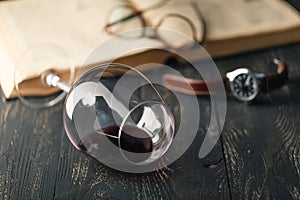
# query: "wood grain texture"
{"points": [[257, 157], [39, 162], [261, 140], [82, 177], [27, 150]]}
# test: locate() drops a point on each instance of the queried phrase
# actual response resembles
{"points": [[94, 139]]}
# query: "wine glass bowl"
{"points": [[146, 132], [107, 116]]}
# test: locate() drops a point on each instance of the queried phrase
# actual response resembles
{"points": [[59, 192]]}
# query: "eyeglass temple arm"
{"points": [[137, 13], [123, 19]]}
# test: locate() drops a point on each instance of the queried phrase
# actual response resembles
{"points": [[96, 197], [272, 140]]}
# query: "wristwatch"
{"points": [[243, 83]]}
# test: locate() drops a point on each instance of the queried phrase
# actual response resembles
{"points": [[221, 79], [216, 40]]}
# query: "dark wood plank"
{"points": [[261, 140], [38, 162], [260, 143], [28, 152], [80, 177]]}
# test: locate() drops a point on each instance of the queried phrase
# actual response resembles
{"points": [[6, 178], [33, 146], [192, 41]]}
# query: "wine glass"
{"points": [[105, 113], [113, 112]]}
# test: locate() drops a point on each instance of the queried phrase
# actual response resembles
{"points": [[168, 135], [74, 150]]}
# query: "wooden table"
{"points": [[258, 155]]}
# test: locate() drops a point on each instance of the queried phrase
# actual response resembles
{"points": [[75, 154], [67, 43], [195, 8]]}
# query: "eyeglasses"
{"points": [[126, 17]]}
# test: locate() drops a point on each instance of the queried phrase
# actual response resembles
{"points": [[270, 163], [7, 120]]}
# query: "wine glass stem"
{"points": [[52, 79]]}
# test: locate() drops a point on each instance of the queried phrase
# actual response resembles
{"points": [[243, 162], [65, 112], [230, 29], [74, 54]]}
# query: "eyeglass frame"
{"points": [[138, 13]]}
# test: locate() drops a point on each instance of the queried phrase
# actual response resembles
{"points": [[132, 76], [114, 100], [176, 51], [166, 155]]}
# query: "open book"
{"points": [[232, 26]]}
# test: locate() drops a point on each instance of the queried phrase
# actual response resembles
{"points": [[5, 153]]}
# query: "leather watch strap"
{"points": [[192, 86], [274, 81], [199, 86]]}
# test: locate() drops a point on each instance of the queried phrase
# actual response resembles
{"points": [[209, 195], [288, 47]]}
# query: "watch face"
{"points": [[243, 84]]}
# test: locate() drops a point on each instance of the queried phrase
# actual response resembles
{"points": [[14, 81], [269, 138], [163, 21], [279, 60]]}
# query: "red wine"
{"points": [[135, 143]]}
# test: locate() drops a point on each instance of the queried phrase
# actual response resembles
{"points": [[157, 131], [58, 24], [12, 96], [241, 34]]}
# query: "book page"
{"points": [[77, 26], [235, 18], [227, 19]]}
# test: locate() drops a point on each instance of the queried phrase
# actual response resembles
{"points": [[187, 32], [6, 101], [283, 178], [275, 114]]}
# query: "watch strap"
{"points": [[199, 86], [193, 86], [271, 82]]}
